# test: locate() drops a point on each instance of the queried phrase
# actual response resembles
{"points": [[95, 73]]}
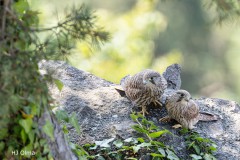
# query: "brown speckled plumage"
{"points": [[183, 109], [145, 87]]}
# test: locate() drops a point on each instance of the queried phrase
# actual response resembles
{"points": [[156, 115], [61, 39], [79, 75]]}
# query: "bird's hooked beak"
{"points": [[187, 99], [151, 80], [148, 80]]}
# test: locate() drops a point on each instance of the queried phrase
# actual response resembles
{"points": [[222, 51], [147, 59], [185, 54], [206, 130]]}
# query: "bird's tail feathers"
{"points": [[206, 116], [120, 90]]}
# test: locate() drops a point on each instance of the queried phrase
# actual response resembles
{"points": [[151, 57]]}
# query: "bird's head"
{"points": [[152, 79], [183, 95]]}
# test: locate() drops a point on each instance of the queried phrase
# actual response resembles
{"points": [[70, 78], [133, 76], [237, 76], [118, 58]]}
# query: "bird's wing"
{"points": [[134, 93], [124, 81], [192, 110]]}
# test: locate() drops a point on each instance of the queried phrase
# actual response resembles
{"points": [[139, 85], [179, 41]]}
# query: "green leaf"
{"points": [[171, 155], [104, 143], [145, 144], [140, 115], [62, 115], [196, 148], [140, 140], [126, 147], [195, 157], [158, 134], [23, 136], [26, 124], [3, 133], [191, 144], [28, 149], [213, 148], [118, 143], [156, 155], [2, 145], [131, 139], [93, 147], [100, 158], [31, 136], [65, 130], [131, 158], [134, 117], [145, 122], [34, 110], [59, 84], [209, 157], [200, 139], [160, 150], [136, 148], [152, 126], [158, 143], [73, 121], [21, 6], [184, 131], [48, 129], [139, 129]]}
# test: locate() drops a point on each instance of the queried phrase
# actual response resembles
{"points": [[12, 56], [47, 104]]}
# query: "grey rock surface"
{"points": [[103, 113], [173, 77]]}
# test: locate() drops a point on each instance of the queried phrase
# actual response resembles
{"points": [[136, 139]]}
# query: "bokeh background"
{"points": [[155, 34]]}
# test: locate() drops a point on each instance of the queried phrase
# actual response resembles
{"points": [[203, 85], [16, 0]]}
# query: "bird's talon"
{"points": [[165, 119], [177, 126]]}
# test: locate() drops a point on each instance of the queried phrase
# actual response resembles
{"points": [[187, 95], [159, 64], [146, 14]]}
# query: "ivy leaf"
{"points": [[136, 148], [209, 157], [23, 136], [171, 155], [195, 157], [160, 150], [104, 143], [158, 134], [59, 84], [26, 124], [131, 139], [48, 129], [100, 158], [62, 115], [73, 121], [145, 144], [196, 148], [31, 136], [118, 143]]}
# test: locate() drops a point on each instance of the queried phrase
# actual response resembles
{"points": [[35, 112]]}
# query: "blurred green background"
{"points": [[155, 34]]}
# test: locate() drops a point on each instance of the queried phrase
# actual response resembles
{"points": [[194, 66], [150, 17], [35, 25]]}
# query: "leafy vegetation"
{"points": [[201, 148], [130, 148], [146, 144], [24, 94]]}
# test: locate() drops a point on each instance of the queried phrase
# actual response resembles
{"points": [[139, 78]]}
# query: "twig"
{"points": [[145, 133], [50, 28]]}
